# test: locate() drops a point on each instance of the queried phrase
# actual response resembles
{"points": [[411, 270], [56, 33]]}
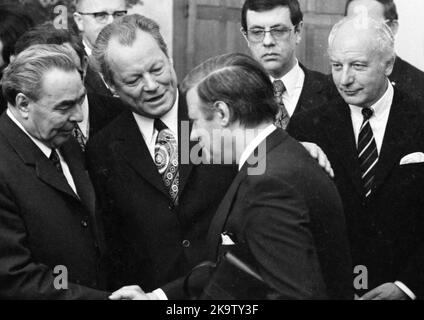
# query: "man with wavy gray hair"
{"points": [[50, 244], [374, 138]]}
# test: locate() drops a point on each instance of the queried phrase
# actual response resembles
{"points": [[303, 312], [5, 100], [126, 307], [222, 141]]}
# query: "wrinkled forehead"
{"points": [[370, 8]]}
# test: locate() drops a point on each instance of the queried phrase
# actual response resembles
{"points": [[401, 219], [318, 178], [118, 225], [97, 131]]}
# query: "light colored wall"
{"points": [[162, 12], [410, 38]]}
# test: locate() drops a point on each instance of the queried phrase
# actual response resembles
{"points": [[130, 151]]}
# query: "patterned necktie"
{"points": [[82, 140], [367, 152], [166, 159], [54, 158], [283, 117]]}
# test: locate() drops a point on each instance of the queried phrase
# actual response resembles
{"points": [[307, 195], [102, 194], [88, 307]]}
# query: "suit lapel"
{"points": [[401, 124], [219, 221], [133, 149], [221, 216], [341, 135], [72, 154], [311, 91], [185, 145], [31, 155]]}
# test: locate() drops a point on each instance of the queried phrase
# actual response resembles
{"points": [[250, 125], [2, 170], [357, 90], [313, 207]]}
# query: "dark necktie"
{"points": [[166, 159], [283, 117], [79, 136], [54, 158], [367, 152]]}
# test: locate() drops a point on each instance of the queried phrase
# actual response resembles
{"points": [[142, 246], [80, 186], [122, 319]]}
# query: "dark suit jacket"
{"points": [[43, 224], [290, 221], [152, 241], [408, 78], [387, 231], [102, 110], [315, 91], [95, 84]]}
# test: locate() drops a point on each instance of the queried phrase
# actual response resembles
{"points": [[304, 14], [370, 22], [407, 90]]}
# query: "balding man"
{"points": [[374, 138], [91, 16], [405, 76]]}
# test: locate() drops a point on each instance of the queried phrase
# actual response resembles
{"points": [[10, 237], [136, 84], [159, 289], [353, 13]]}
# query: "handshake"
{"points": [[132, 293]]}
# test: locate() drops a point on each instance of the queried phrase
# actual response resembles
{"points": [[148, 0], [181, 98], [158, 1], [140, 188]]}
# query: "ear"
{"points": [[244, 34], [78, 21], [394, 26], [298, 32], [388, 65], [22, 104], [223, 113]]}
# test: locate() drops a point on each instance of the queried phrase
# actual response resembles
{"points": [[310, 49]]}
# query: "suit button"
{"points": [[186, 243], [84, 223]]}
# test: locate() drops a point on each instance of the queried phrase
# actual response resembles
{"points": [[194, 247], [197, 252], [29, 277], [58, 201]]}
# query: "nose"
{"points": [[77, 114], [110, 19], [150, 83], [346, 77], [268, 39]]}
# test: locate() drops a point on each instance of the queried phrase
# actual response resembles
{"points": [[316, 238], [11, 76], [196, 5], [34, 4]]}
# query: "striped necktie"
{"points": [[367, 152]]}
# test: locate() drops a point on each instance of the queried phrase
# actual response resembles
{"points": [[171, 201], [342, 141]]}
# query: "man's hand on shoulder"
{"points": [[316, 152]]}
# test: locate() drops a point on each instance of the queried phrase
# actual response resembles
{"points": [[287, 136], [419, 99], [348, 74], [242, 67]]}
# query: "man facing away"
{"points": [[282, 215]]}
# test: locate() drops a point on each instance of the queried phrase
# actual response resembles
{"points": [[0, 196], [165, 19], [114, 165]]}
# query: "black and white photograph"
{"points": [[229, 151]]}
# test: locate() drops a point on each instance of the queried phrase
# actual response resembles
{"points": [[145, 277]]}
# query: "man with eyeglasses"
{"points": [[405, 76], [91, 17], [272, 29]]}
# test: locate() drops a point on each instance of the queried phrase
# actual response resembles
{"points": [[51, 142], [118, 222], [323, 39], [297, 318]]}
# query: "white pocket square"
{"points": [[417, 157], [226, 240]]}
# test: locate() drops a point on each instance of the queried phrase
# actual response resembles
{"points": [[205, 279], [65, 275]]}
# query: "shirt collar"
{"points": [[45, 149], [290, 79], [262, 135], [84, 124], [380, 107], [87, 48], [170, 119]]}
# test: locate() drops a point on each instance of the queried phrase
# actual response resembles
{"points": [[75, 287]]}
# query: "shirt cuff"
{"points": [[160, 294], [406, 290]]}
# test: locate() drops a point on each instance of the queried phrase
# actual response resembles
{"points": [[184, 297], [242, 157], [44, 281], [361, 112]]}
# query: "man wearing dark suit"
{"points": [[98, 109], [273, 30], [50, 240], [156, 214], [374, 140], [405, 76], [90, 17], [282, 211]]}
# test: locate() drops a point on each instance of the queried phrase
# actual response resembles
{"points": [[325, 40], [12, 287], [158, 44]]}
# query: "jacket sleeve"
{"points": [[20, 277]]}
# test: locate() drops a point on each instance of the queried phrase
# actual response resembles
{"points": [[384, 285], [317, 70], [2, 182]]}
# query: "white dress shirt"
{"points": [[47, 152], [293, 81], [378, 123], [250, 148], [84, 125], [149, 133]]}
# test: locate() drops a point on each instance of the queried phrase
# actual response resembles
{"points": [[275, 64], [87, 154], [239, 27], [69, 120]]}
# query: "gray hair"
{"points": [[125, 30], [26, 72], [384, 38]]}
